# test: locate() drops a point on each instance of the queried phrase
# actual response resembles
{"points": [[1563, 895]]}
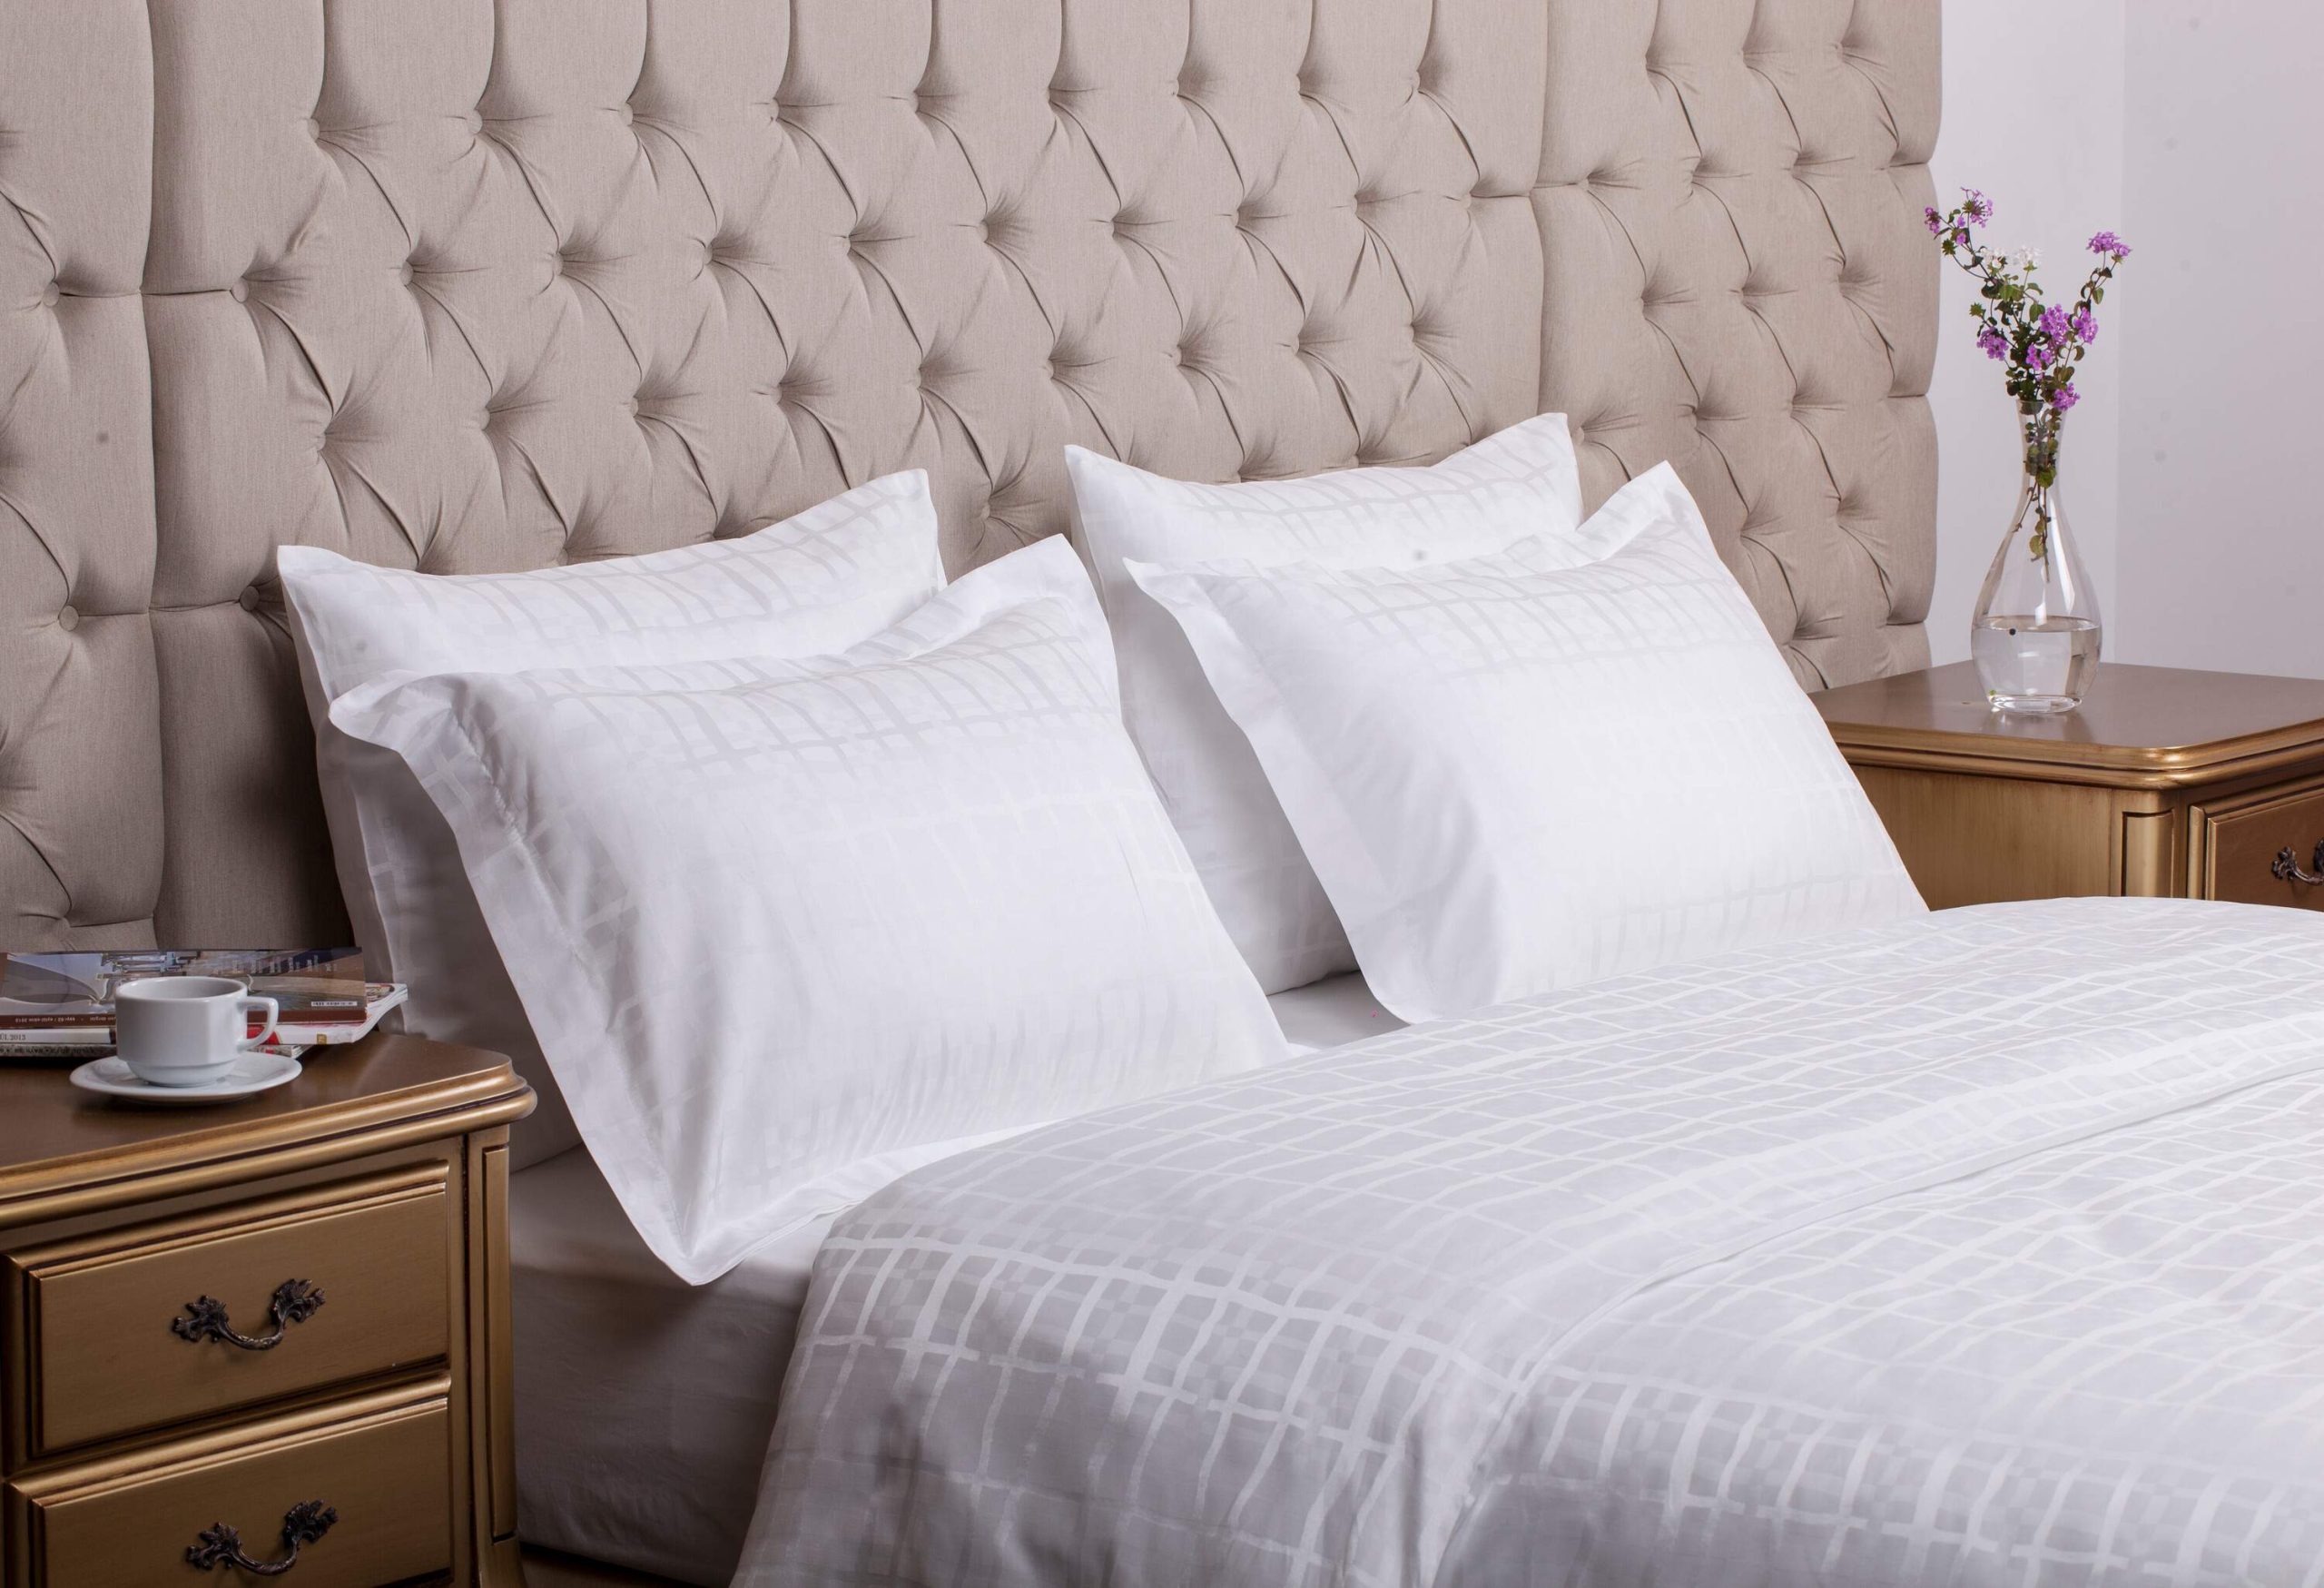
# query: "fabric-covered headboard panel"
{"points": [[474, 284]]}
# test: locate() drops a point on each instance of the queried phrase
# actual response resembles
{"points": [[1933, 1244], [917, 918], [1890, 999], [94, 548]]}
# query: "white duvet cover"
{"points": [[1983, 1248]]}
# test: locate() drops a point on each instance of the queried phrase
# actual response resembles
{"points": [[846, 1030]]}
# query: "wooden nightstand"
{"points": [[288, 1316], [2166, 783]]}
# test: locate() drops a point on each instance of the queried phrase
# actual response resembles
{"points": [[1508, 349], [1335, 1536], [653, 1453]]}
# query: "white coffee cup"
{"points": [[186, 1030]]}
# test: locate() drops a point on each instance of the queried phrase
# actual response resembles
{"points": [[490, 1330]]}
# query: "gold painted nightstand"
{"points": [[262, 1327], [2165, 782]]}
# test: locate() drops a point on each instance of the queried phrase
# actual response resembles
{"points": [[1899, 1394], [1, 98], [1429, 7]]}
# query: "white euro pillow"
{"points": [[1515, 775], [1521, 481], [836, 574], [785, 927]]}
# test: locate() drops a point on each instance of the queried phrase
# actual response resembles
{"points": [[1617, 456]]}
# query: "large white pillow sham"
{"points": [[1514, 774], [1521, 481], [774, 918], [836, 574]]}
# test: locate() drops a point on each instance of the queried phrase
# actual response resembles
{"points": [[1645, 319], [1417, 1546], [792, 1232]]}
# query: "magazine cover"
{"points": [[67, 998]]}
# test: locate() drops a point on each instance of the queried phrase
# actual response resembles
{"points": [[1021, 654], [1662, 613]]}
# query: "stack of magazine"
{"points": [[60, 1006]]}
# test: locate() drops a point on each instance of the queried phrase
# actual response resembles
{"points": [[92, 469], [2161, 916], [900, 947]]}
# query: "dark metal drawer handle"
{"points": [[295, 1301], [222, 1545], [2286, 868]]}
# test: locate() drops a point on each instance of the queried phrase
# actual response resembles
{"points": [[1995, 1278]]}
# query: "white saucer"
{"points": [[251, 1073]]}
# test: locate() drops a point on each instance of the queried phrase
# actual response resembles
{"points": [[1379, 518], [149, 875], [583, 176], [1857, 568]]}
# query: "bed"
{"points": [[459, 286], [1724, 1276]]}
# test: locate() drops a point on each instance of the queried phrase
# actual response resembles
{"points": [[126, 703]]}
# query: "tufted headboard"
{"points": [[471, 284]]}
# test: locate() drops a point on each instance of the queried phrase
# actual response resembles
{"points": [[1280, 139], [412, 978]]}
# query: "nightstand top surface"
{"points": [[54, 1136], [2166, 725]]}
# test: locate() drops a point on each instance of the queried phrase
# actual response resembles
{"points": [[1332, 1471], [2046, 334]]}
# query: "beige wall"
{"points": [[2222, 548], [2191, 126]]}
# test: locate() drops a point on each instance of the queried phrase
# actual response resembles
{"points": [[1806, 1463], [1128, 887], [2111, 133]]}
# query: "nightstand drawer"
{"points": [[381, 1474], [2238, 842], [146, 1324]]}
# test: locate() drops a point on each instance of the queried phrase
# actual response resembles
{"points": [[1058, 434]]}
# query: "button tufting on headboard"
{"points": [[471, 284], [1766, 166]]}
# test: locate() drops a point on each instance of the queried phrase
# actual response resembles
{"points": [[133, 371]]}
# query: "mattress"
{"points": [[643, 1404]]}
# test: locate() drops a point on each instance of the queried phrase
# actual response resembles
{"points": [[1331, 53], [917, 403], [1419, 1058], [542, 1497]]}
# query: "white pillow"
{"points": [[1521, 482], [772, 918], [1515, 775], [836, 574]]}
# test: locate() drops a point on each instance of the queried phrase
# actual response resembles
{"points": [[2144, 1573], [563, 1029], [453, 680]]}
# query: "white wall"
{"points": [[2033, 116], [2221, 550], [2196, 129]]}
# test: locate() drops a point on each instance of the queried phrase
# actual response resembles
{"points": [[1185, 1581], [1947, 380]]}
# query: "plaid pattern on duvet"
{"points": [[1983, 1248]]}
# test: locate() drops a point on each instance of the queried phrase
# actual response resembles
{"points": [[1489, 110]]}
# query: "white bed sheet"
{"points": [[643, 1404], [1331, 1013]]}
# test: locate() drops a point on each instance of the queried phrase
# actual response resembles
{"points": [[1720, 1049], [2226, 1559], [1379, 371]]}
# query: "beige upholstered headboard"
{"points": [[474, 284]]}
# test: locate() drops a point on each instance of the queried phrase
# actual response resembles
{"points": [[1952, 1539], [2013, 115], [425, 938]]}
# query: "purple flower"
{"points": [[2085, 325], [2064, 397], [1935, 220], [2038, 355], [2112, 246], [2053, 325], [1996, 345], [1980, 207]]}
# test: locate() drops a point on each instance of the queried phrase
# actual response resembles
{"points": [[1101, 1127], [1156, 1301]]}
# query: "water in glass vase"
{"points": [[2036, 633], [2035, 663]]}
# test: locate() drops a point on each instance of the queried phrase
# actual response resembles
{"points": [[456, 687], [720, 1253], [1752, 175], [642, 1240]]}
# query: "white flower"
{"points": [[2027, 258]]}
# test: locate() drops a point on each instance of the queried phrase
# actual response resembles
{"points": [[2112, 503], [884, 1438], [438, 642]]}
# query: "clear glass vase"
{"points": [[2035, 636]]}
